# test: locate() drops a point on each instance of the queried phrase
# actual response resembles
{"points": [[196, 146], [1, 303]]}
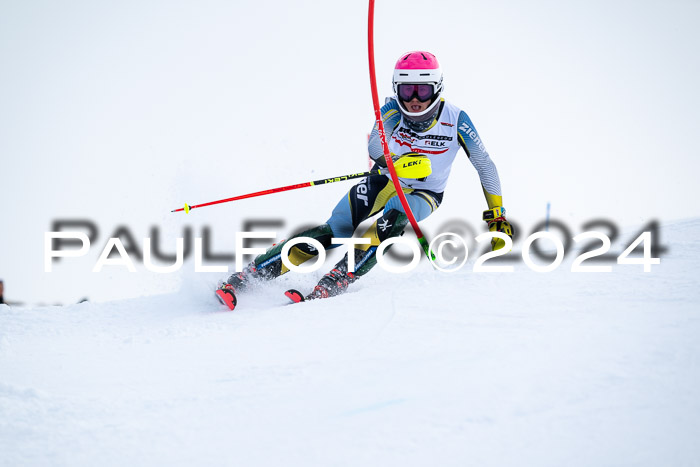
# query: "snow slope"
{"points": [[118, 112], [425, 368]]}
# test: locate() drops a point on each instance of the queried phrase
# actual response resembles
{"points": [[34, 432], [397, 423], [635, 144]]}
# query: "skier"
{"points": [[418, 121]]}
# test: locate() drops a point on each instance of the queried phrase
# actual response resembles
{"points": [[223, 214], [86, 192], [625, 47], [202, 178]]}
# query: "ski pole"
{"points": [[322, 181], [409, 165]]}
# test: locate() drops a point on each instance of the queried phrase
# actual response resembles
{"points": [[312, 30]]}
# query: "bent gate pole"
{"points": [[382, 135]]}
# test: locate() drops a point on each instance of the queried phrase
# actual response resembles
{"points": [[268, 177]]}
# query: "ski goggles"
{"points": [[423, 92]]}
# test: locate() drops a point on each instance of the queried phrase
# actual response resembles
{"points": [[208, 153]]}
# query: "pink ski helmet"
{"points": [[418, 68]]}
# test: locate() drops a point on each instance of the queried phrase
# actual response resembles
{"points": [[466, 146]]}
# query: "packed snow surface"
{"points": [[422, 368]]}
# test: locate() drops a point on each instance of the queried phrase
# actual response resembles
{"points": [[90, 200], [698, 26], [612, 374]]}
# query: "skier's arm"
{"points": [[471, 143], [495, 216], [391, 116]]}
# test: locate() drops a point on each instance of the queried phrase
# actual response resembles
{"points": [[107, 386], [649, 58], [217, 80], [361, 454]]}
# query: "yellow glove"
{"points": [[496, 219]]}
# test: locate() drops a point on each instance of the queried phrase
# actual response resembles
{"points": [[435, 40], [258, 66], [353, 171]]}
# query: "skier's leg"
{"points": [[336, 281], [422, 203], [390, 224], [269, 265], [362, 201]]}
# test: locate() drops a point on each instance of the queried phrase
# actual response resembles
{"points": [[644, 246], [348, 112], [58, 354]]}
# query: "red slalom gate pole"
{"points": [[382, 136]]}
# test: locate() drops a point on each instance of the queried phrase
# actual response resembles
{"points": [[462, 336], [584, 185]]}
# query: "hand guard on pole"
{"points": [[412, 165]]}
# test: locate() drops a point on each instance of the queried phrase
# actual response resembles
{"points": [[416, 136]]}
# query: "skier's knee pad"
{"points": [[322, 233], [302, 252], [390, 224], [270, 263]]}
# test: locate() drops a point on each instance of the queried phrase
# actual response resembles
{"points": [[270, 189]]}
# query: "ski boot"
{"points": [[237, 282], [334, 283]]}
